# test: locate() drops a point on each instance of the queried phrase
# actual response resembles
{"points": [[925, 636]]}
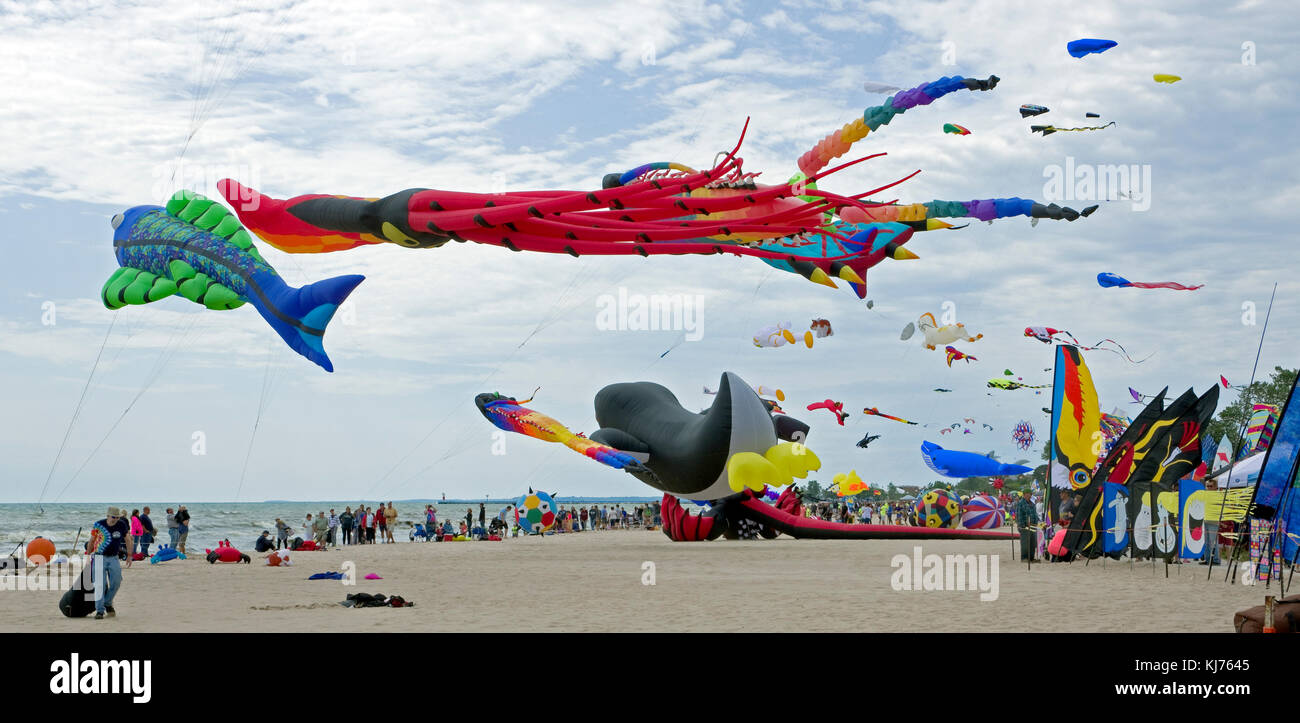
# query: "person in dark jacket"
{"points": [[1027, 523], [264, 543], [150, 533], [347, 521]]}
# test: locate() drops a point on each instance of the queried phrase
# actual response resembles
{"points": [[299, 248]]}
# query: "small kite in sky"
{"points": [[955, 355], [1083, 46], [778, 335], [1023, 434], [1224, 381], [1138, 397], [936, 335], [1166, 78], [1049, 130], [956, 129], [1108, 280], [1029, 109], [834, 407], [872, 411], [868, 440], [1008, 385], [1047, 335]]}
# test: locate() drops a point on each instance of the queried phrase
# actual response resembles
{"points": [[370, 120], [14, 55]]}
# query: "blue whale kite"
{"points": [[950, 463]]}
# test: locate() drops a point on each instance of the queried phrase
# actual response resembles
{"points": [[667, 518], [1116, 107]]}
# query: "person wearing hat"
{"points": [[107, 537], [264, 543]]}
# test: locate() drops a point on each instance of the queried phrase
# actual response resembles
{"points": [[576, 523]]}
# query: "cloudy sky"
{"points": [[115, 104]]}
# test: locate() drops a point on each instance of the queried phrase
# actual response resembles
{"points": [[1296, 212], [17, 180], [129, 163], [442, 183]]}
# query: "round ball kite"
{"points": [[535, 512], [40, 550], [1023, 434], [983, 513], [937, 508]]}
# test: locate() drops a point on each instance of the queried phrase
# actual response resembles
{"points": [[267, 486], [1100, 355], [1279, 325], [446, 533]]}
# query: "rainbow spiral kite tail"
{"points": [[506, 413], [838, 143]]}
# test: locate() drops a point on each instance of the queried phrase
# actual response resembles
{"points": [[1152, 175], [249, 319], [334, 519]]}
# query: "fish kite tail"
{"points": [[300, 315], [839, 142]]}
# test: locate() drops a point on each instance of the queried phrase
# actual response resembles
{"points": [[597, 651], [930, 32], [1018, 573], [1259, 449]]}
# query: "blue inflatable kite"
{"points": [[965, 464], [1083, 46]]}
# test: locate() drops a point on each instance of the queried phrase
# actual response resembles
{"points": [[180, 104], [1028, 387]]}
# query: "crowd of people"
{"points": [[868, 513], [121, 538], [502, 524], [141, 529], [365, 525]]}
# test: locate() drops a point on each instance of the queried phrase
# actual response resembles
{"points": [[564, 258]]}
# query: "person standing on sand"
{"points": [[321, 529], [469, 518], [1026, 522], [482, 516], [106, 539], [173, 530], [346, 521], [332, 537], [370, 531], [182, 528], [149, 532], [137, 527], [390, 521], [281, 534]]}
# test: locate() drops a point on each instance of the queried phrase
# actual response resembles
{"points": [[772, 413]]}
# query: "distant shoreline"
{"points": [[491, 500]]}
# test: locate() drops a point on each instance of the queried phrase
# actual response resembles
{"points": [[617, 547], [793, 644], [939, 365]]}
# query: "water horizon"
{"points": [[66, 523]]}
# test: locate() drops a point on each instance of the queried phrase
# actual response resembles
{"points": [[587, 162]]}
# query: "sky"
{"points": [[115, 104]]}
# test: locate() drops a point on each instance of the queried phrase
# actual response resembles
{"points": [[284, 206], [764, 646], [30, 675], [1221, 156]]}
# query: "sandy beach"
{"points": [[592, 582]]}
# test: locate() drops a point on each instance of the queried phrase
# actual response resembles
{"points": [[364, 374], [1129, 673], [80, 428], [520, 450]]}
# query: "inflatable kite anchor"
{"points": [[746, 516]]}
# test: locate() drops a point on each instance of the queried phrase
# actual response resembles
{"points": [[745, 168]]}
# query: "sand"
{"points": [[593, 582]]}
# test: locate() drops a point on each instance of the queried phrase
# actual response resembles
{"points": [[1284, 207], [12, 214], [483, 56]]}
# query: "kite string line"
{"points": [[548, 319], [1241, 432], [76, 412], [261, 407], [154, 373]]}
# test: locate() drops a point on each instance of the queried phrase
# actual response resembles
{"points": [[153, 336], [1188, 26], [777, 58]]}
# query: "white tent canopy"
{"points": [[1244, 473]]}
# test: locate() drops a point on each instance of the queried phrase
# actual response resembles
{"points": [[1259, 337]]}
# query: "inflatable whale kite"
{"points": [[725, 458]]}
